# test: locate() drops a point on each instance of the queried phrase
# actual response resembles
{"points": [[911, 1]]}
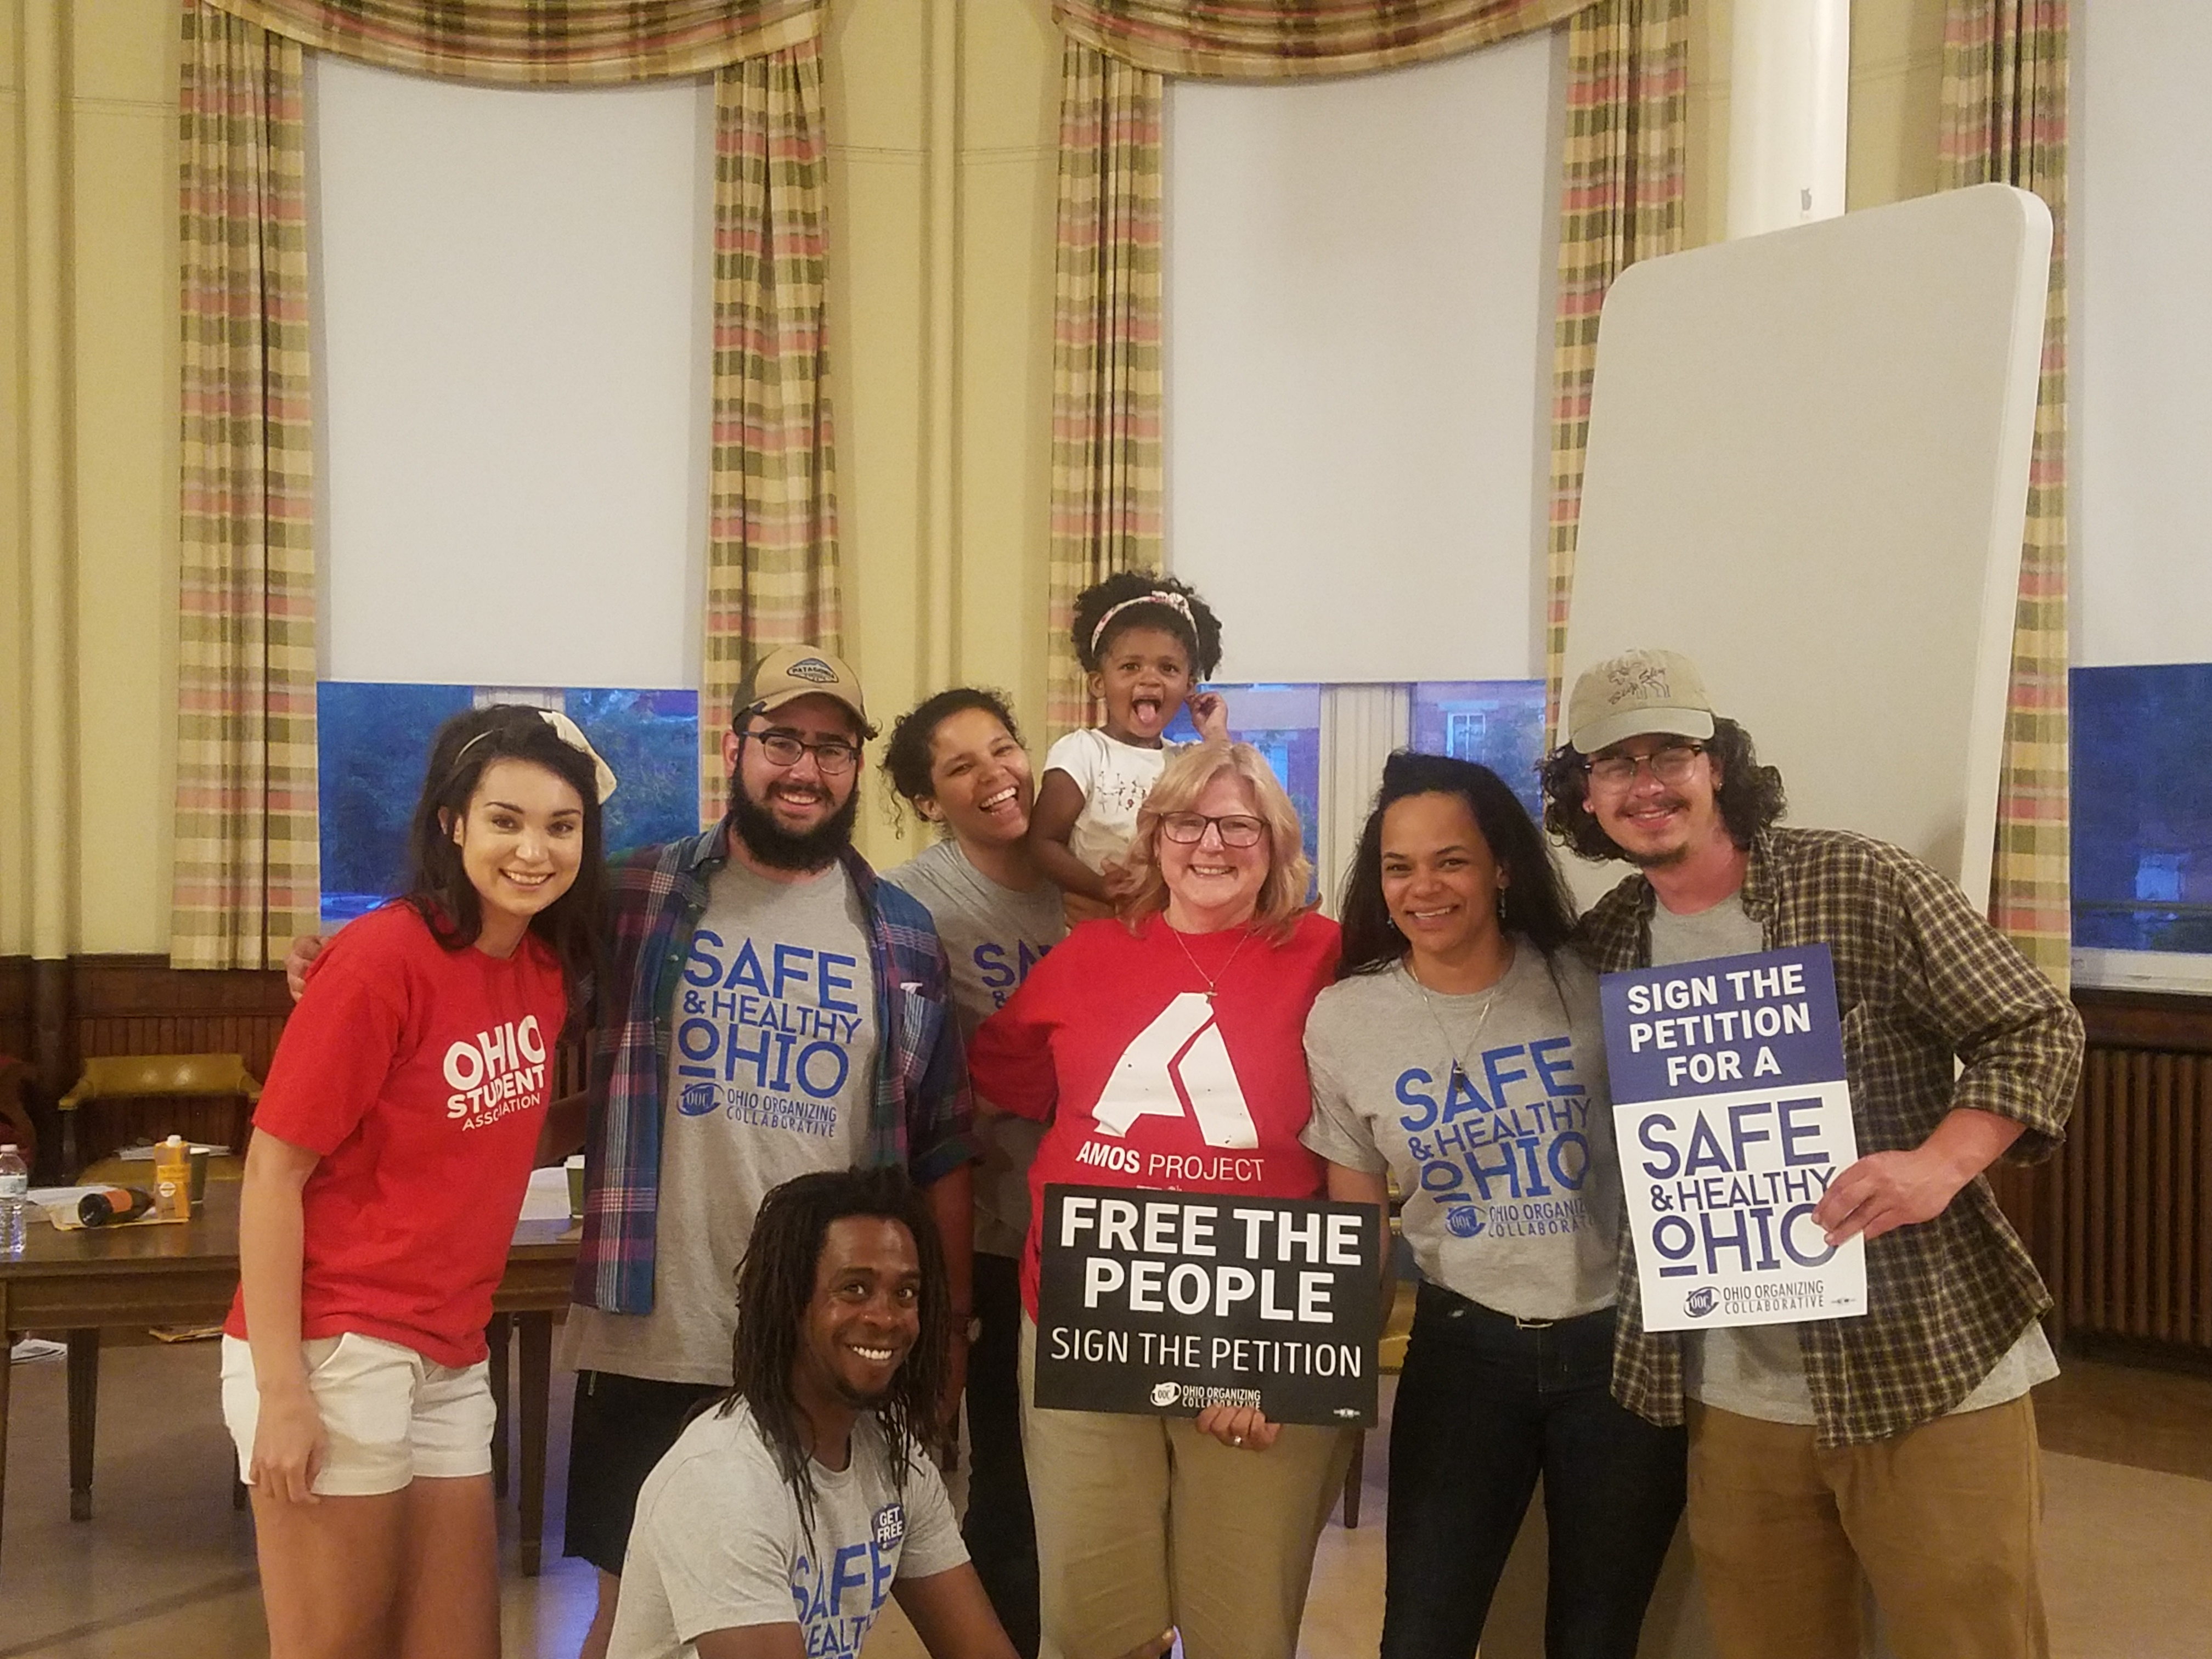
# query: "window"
{"points": [[373, 740], [2143, 826]]}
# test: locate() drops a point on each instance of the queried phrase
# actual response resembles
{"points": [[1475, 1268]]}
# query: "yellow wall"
{"points": [[123, 140], [940, 335], [14, 643]]}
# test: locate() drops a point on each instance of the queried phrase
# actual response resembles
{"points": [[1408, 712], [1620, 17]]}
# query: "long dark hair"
{"points": [[775, 1286], [1534, 900], [1750, 796], [438, 885], [906, 756]]}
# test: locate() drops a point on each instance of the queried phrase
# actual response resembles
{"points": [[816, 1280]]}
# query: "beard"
{"points": [[777, 847]]}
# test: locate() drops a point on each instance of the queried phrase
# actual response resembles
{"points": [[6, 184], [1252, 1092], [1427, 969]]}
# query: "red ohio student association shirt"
{"points": [[1147, 1082], [420, 1076]]}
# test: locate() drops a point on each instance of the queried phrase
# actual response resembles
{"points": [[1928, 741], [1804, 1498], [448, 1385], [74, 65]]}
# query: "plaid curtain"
{"points": [[1291, 39], [246, 874], [772, 575], [2004, 120], [1106, 471], [1621, 200], [539, 42]]}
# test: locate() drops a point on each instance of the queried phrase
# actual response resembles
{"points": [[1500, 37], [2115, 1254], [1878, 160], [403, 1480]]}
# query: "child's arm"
{"points": [[1059, 804], [1209, 712], [288, 1439]]}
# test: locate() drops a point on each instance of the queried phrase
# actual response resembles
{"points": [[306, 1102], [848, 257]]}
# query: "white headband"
{"points": [[570, 733], [1175, 602]]}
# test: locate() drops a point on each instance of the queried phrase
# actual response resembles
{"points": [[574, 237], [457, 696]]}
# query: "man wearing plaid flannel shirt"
{"points": [[1902, 1444], [769, 1008]]}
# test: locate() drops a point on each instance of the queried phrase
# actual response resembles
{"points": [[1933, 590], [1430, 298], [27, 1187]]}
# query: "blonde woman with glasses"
{"points": [[1206, 1525]]}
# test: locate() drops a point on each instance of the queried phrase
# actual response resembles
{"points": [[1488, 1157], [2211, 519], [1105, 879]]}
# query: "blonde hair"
{"points": [[1142, 891]]}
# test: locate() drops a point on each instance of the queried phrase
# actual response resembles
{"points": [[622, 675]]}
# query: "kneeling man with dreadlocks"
{"points": [[782, 1517]]}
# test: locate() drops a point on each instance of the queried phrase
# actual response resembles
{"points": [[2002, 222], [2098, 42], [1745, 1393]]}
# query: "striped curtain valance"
{"points": [[539, 42], [1298, 40]]}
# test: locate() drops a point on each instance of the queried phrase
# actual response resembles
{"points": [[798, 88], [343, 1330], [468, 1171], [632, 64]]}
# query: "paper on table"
{"points": [[548, 1197]]}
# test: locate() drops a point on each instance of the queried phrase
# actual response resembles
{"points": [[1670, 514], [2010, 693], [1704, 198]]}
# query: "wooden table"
{"points": [[82, 1283]]}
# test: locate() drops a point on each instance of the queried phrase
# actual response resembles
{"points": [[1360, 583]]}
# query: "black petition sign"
{"points": [[1172, 1302]]}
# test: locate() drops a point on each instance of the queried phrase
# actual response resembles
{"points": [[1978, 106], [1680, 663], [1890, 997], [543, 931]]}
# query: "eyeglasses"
{"points": [[832, 755], [1237, 829], [1672, 764]]}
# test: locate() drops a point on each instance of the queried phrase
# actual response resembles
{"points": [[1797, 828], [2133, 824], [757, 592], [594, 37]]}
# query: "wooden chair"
{"points": [[204, 1097], [1389, 1360]]}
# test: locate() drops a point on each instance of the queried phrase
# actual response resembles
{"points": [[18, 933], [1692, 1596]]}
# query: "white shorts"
{"points": [[390, 1414]]}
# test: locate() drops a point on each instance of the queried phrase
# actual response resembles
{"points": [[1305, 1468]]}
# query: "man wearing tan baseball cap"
{"points": [[766, 1012], [1900, 1444]]}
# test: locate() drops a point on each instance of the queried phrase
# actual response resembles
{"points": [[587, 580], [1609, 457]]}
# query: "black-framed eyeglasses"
{"points": [[1235, 828], [834, 756], [1670, 765]]}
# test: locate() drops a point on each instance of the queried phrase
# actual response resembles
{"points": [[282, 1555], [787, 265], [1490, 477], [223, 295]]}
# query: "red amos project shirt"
{"points": [[420, 1076], [1148, 1083]]}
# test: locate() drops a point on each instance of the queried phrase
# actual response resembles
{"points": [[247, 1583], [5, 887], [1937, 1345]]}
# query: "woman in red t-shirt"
{"points": [[392, 1148], [1199, 992]]}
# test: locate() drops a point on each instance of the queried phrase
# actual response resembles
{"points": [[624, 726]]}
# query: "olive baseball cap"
{"points": [[791, 671], [1636, 693]]}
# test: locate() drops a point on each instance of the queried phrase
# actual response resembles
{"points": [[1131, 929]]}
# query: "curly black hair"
{"points": [[1750, 796], [1534, 902], [906, 756], [776, 1286], [1199, 632]]}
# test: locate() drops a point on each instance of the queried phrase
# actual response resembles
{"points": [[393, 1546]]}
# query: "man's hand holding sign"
{"points": [[1735, 1123]]}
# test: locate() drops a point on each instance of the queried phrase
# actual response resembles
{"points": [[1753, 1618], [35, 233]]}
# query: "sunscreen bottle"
{"points": [[172, 1180], [106, 1206]]}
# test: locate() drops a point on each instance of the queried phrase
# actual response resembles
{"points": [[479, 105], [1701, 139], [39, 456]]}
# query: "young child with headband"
{"points": [[391, 1151], [1147, 641]]}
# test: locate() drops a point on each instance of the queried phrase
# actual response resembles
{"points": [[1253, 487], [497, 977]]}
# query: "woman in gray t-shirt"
{"points": [[958, 760], [1460, 1053]]}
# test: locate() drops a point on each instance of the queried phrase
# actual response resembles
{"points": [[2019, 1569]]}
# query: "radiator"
{"points": [[2132, 1253]]}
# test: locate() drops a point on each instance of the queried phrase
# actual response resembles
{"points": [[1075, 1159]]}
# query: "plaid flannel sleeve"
{"points": [[2019, 1039]]}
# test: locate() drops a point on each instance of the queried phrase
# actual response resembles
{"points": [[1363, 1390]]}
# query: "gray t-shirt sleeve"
{"points": [[933, 1535], [1335, 1131], [721, 1547]]}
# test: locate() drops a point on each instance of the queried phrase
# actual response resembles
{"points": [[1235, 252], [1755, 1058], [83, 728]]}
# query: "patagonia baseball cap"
{"points": [[1637, 693], [792, 672]]}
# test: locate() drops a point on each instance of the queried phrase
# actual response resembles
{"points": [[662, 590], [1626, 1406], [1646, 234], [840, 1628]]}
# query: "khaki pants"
{"points": [[1142, 1522], [1944, 1520]]}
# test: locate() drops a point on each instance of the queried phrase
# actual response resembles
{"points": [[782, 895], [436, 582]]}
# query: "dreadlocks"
{"points": [[776, 1286]]}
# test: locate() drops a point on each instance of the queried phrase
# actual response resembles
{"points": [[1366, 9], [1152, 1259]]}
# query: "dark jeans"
{"points": [[1484, 1407], [1000, 1530]]}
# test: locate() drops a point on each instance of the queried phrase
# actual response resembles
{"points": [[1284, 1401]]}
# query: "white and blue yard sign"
{"points": [[1733, 1117]]}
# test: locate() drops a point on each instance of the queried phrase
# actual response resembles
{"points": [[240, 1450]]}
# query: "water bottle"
{"points": [[14, 1199]]}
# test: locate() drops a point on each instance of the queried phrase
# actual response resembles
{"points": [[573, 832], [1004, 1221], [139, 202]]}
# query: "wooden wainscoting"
{"points": [[127, 1004], [15, 1006]]}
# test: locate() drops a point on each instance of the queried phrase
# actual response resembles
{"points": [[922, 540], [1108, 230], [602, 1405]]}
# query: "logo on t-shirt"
{"points": [[1179, 1066], [1504, 1151], [498, 1072], [889, 1526], [765, 1033]]}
